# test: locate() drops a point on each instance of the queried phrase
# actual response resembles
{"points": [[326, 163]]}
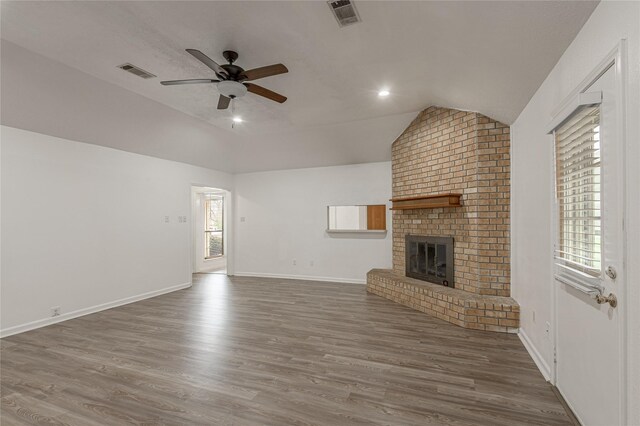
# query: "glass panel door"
{"points": [[441, 261], [431, 259]]}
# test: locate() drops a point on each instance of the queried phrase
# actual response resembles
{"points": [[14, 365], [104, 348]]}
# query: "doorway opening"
{"points": [[210, 210]]}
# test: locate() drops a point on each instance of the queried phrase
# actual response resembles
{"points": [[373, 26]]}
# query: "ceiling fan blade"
{"points": [[259, 90], [220, 72], [190, 81], [263, 72], [223, 102]]}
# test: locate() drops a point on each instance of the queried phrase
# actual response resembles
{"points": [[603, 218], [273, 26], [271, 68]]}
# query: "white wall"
{"points": [[83, 226], [532, 185], [285, 219]]}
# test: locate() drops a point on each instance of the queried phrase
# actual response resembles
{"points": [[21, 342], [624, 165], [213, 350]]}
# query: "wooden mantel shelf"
{"points": [[427, 201]]}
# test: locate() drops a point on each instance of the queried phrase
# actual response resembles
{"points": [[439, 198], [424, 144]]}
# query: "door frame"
{"points": [[617, 59], [228, 227]]}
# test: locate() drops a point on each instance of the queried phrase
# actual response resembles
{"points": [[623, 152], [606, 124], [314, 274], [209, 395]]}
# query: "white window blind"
{"points": [[578, 192]]}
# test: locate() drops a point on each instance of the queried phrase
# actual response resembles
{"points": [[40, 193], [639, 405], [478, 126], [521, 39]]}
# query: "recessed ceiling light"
{"points": [[237, 119], [383, 93]]}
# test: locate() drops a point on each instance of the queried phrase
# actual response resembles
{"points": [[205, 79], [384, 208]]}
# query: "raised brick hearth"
{"points": [[469, 310], [450, 151]]}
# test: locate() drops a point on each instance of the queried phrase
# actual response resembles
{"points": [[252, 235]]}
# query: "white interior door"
{"points": [[589, 352]]}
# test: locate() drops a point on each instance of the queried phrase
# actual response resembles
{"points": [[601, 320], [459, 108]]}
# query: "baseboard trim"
{"points": [[535, 355], [301, 277], [90, 310]]}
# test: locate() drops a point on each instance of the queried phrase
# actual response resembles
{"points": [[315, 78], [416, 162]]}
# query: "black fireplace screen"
{"points": [[430, 259]]}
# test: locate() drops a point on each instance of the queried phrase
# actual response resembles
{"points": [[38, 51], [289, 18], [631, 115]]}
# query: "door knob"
{"points": [[611, 299]]}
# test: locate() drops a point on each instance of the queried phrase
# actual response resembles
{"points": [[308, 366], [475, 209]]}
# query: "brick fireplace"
{"points": [[450, 151]]}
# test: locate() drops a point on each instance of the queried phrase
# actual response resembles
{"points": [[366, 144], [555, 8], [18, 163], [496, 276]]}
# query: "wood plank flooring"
{"points": [[245, 351]]}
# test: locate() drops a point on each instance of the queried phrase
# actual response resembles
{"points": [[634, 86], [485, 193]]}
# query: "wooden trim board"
{"points": [[427, 201]]}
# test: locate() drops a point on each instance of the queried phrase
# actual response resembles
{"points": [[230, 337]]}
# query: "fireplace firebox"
{"points": [[429, 259]]}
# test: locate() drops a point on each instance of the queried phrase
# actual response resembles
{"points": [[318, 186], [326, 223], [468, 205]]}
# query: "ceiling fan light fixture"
{"points": [[232, 89], [232, 82], [383, 93]]}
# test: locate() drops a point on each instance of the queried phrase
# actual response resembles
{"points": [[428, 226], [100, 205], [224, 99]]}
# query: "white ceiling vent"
{"points": [[136, 71], [345, 12]]}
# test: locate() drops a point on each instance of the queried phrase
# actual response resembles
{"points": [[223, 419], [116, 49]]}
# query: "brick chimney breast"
{"points": [[446, 150]]}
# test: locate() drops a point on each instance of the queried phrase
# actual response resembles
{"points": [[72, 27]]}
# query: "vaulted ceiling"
{"points": [[483, 56]]}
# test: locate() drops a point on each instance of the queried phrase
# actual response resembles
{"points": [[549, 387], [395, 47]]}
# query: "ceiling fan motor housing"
{"points": [[232, 89]]}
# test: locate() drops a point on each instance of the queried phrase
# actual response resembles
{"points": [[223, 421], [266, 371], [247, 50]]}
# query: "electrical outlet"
{"points": [[166, 219], [311, 263], [294, 262], [55, 311], [243, 219]]}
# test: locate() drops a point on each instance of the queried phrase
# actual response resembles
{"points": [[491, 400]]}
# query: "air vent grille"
{"points": [[344, 11], [136, 71]]}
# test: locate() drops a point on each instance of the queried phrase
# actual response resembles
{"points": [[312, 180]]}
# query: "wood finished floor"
{"points": [[266, 351]]}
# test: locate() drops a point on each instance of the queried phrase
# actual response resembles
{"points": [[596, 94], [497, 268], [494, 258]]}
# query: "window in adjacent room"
{"points": [[213, 226]]}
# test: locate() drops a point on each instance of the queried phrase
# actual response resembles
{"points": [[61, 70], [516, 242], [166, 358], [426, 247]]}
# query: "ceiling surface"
{"points": [[488, 57]]}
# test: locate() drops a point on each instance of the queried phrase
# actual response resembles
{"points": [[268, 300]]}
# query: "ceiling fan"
{"points": [[232, 79]]}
